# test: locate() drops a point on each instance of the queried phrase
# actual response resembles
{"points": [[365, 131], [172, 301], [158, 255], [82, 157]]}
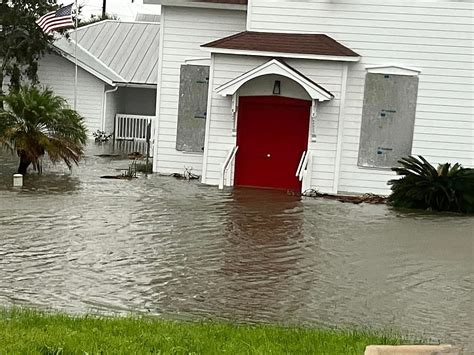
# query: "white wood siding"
{"points": [[434, 37], [57, 73], [114, 106], [220, 139], [183, 31]]}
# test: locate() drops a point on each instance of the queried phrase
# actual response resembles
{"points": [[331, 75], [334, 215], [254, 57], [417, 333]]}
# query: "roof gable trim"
{"points": [[277, 67]]}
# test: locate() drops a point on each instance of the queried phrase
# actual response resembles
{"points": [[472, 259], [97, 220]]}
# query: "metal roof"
{"points": [[148, 17], [123, 52], [87, 61]]}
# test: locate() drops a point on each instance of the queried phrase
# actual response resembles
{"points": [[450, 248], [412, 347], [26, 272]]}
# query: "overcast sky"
{"points": [[124, 9]]}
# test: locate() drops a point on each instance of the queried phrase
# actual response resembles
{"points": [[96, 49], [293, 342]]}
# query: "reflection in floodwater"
{"points": [[78, 243], [262, 230]]}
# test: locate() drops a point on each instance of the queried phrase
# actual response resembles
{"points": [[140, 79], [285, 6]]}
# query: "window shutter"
{"points": [[388, 119], [192, 112]]}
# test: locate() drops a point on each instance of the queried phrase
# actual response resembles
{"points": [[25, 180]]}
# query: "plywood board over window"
{"points": [[193, 92], [388, 119]]}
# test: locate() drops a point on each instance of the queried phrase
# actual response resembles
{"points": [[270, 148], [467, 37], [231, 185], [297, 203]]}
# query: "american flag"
{"points": [[54, 20]]}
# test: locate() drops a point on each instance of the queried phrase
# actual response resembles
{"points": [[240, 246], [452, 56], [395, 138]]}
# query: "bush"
{"points": [[448, 188], [144, 168], [101, 136]]}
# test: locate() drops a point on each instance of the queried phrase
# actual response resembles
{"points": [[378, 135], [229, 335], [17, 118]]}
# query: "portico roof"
{"points": [[278, 67], [289, 45]]}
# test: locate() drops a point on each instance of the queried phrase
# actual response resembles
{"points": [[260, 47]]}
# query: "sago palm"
{"points": [[35, 121], [448, 188]]}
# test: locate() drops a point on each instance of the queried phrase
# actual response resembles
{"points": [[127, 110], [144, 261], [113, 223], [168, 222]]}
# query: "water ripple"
{"points": [[78, 243]]}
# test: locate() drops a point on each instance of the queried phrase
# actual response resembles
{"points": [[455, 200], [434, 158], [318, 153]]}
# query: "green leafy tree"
{"points": [[22, 42], [36, 121], [95, 18], [448, 188]]}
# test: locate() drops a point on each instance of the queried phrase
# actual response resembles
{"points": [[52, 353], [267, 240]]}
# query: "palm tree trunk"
{"points": [[24, 164]]}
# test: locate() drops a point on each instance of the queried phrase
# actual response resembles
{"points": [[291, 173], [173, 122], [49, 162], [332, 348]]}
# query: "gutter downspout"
{"points": [[104, 106]]}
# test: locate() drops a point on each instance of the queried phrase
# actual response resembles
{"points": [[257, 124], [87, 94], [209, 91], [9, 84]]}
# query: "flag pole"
{"points": [[75, 59]]}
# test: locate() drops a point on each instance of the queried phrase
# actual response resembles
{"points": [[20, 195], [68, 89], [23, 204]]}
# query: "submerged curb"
{"points": [[412, 350]]}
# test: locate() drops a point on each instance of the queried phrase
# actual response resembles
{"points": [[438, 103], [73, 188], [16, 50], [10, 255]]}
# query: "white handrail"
{"points": [[304, 166], [300, 164], [230, 157], [306, 172]]}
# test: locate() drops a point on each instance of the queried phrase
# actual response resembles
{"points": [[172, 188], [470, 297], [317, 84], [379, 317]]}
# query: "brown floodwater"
{"points": [[77, 243]]}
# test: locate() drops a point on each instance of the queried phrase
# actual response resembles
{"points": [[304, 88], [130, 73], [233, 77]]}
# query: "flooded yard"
{"points": [[77, 243]]}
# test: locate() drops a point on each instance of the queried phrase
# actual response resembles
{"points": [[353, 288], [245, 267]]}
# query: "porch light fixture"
{"points": [[277, 87]]}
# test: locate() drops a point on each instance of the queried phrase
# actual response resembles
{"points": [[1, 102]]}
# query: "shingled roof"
{"points": [[296, 43]]}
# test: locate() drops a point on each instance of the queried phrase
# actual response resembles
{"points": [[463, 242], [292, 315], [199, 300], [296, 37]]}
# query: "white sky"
{"points": [[124, 9]]}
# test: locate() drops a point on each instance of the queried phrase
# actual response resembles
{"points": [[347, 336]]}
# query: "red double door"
{"points": [[272, 134]]}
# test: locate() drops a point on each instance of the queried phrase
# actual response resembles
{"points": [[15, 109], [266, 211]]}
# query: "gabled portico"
{"points": [[273, 107], [280, 68]]}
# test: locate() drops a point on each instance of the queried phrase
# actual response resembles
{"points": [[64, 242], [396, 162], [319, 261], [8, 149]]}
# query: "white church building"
{"points": [[322, 94]]}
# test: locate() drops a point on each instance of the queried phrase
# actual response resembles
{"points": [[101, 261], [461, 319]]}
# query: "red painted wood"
{"points": [[272, 134]]}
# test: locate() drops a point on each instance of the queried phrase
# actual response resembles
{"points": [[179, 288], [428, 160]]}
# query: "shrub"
{"points": [[101, 136], [144, 168], [448, 188]]}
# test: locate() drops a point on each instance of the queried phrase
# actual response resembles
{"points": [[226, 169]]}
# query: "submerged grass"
{"points": [[35, 332]]}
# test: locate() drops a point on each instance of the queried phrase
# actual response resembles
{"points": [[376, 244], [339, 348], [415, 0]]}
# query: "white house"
{"points": [[117, 70], [322, 94]]}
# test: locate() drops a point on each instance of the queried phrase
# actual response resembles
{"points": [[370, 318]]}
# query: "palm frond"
{"points": [[422, 186]]}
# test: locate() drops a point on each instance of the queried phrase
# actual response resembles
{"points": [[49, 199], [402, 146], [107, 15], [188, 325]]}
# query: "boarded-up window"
{"points": [[388, 119], [193, 92]]}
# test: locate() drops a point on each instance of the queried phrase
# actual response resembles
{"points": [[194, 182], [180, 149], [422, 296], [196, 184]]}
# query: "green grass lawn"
{"points": [[33, 332]]}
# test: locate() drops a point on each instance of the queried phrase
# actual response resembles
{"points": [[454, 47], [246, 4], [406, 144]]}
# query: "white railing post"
{"points": [[303, 166], [304, 172], [116, 125], [298, 171], [308, 174], [228, 160], [152, 135]]}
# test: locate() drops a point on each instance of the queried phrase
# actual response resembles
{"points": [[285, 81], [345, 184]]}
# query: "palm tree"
{"points": [[35, 121]]}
